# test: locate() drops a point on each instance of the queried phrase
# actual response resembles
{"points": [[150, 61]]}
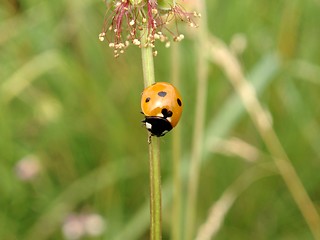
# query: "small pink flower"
{"points": [[28, 168], [77, 226], [126, 19]]}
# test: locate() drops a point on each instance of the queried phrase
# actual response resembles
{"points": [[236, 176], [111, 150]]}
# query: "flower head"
{"points": [[125, 19]]}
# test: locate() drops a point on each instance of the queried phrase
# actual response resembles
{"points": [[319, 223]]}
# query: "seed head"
{"points": [[125, 19]]}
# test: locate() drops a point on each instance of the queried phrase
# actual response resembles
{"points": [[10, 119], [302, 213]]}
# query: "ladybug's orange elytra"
{"points": [[161, 103]]}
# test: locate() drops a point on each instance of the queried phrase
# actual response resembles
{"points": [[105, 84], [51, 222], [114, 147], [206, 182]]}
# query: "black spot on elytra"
{"points": [[179, 102], [147, 99], [162, 94], [166, 113]]}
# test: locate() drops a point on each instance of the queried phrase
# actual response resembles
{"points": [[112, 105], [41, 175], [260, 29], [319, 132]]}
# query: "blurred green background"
{"points": [[73, 153]]}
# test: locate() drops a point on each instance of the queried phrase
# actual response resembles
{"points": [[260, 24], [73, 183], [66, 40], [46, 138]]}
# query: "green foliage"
{"points": [[73, 110]]}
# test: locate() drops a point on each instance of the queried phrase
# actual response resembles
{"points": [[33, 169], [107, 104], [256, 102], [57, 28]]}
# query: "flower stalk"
{"points": [[154, 146]]}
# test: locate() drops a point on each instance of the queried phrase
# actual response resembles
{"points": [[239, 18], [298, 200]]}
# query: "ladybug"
{"points": [[162, 106]]}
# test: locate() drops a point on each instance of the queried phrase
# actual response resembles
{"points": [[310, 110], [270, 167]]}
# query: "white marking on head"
{"points": [[148, 125], [164, 132], [169, 119], [160, 115]]}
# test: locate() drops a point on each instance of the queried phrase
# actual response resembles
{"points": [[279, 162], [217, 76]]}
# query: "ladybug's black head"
{"points": [[158, 126]]}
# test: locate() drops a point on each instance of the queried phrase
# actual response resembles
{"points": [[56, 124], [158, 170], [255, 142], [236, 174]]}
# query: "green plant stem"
{"points": [[196, 154], [176, 153], [155, 190], [154, 148], [147, 62]]}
